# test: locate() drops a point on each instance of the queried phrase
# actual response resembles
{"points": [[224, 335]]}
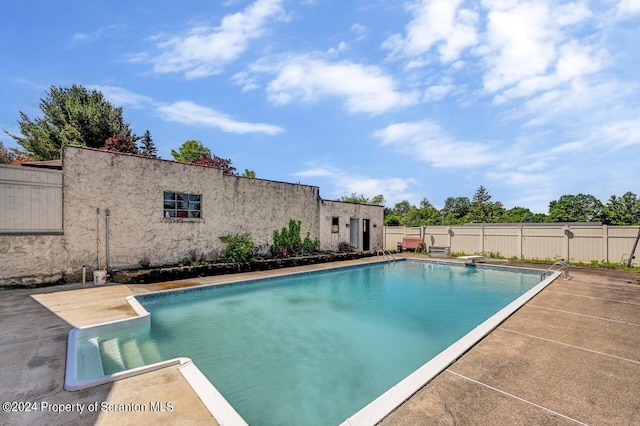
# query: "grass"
{"points": [[593, 264]]}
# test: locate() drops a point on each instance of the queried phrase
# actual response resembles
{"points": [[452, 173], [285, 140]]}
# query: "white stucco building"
{"points": [[105, 207]]}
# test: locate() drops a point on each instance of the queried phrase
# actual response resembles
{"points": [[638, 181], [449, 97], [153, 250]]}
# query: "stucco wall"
{"points": [[32, 259], [345, 211], [132, 187]]}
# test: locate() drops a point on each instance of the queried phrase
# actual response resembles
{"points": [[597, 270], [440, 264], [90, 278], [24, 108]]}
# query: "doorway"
{"points": [[353, 232], [366, 234]]}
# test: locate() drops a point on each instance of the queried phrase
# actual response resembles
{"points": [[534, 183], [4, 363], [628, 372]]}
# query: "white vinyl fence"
{"points": [[30, 200], [572, 242]]}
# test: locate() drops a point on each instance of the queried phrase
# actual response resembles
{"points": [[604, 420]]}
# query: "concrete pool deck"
{"points": [[571, 355]]}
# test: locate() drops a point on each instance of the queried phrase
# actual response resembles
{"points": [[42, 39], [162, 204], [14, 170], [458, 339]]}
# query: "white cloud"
{"points": [[429, 142], [440, 24], [437, 92], [119, 96], [315, 172], [359, 30], [93, 36], [619, 134], [580, 102], [205, 50], [628, 8], [344, 183], [528, 47], [186, 112], [364, 88], [243, 79]]}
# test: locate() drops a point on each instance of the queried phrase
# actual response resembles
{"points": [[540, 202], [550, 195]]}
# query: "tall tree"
{"points": [[71, 116], [402, 208], [147, 147], [455, 210], [522, 215], [576, 208], [482, 209], [121, 143], [623, 210], [218, 163], [191, 151], [7, 156], [249, 173], [425, 214]]}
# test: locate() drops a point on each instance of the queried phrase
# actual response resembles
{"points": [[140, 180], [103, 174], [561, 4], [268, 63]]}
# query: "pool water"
{"points": [[315, 348]]}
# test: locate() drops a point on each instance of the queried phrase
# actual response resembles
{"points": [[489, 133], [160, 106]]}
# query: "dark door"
{"points": [[366, 235]]}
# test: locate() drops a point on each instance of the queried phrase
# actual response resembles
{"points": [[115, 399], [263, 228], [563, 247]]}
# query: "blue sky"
{"points": [[412, 100]]}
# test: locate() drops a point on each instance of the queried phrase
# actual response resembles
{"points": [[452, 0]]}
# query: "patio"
{"points": [[571, 355]]}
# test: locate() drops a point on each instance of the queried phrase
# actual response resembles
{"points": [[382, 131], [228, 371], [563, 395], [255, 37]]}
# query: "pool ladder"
{"points": [[387, 255], [550, 269]]}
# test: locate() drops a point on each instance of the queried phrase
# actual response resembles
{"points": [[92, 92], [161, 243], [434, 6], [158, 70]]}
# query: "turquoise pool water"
{"points": [[315, 348]]}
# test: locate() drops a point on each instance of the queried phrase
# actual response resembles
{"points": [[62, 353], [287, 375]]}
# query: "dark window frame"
{"points": [[181, 205], [335, 224]]}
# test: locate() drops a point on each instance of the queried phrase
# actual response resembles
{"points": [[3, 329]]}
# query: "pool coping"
{"points": [[371, 414], [380, 407]]}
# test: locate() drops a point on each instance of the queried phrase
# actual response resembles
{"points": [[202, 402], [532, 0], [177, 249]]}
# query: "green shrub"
{"points": [[310, 246], [345, 247], [239, 247]]}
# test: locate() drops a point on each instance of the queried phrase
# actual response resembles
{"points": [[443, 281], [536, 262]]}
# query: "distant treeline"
{"points": [[624, 210]]}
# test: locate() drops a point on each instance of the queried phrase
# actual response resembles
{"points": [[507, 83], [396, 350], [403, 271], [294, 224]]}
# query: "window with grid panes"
{"points": [[182, 206]]}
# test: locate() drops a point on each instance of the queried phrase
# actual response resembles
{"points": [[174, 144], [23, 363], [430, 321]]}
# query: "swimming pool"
{"points": [[312, 347], [315, 348]]}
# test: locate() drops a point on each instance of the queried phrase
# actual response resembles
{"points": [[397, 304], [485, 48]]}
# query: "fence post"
{"points": [[605, 243], [566, 231], [520, 233]]}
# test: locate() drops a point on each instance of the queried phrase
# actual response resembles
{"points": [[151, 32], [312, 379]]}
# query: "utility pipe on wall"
{"points": [[108, 265], [98, 237]]}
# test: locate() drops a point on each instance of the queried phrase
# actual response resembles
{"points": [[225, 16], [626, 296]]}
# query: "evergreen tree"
{"points": [[482, 210], [71, 116], [147, 147]]}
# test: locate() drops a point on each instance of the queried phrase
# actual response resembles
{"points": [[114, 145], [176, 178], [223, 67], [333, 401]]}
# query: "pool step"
{"points": [[89, 363], [150, 351], [131, 354], [119, 355], [112, 361]]}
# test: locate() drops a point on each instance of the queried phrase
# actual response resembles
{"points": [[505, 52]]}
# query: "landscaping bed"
{"points": [[176, 272]]}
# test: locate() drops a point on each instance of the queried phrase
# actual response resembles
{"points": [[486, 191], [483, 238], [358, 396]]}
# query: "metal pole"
{"points": [[98, 237], [107, 261]]}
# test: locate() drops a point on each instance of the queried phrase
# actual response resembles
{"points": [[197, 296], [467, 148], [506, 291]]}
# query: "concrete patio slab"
{"points": [[452, 400], [612, 309], [78, 307], [596, 334], [569, 356], [586, 386], [572, 353]]}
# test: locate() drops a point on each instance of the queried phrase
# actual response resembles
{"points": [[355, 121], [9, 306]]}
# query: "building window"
{"points": [[335, 221], [177, 205]]}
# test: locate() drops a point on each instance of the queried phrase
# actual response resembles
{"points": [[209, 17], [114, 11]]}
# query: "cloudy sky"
{"points": [[415, 99]]}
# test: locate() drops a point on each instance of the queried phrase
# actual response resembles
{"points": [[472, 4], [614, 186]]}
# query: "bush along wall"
{"points": [[158, 274]]}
